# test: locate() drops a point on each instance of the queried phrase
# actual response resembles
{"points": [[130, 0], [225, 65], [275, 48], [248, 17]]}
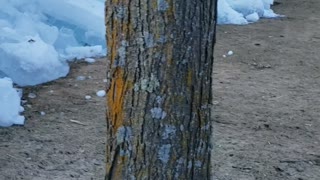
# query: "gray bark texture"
{"points": [[159, 90]]}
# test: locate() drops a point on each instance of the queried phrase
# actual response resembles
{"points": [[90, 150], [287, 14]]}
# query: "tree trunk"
{"points": [[159, 90]]}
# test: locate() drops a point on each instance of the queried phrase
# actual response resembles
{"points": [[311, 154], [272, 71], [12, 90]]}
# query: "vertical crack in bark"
{"points": [[112, 172]]}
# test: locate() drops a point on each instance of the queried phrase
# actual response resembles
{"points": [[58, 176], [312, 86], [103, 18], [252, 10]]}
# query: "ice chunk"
{"points": [[89, 60], [268, 13], [227, 15], [247, 7], [234, 11], [31, 62], [65, 39], [85, 16], [37, 36], [253, 17], [48, 34], [101, 93], [9, 104], [84, 52], [81, 78]]}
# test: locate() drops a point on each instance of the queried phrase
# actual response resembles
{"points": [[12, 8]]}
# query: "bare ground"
{"points": [[53, 146], [266, 119]]}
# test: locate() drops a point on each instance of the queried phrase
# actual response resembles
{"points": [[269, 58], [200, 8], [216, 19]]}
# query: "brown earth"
{"points": [[53, 146], [266, 118]]}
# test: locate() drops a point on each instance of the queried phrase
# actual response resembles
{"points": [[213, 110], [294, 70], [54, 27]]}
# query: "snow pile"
{"points": [[9, 104], [37, 37], [244, 11], [31, 63]]}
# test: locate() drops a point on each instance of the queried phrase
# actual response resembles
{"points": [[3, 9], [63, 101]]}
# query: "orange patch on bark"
{"points": [[116, 95]]}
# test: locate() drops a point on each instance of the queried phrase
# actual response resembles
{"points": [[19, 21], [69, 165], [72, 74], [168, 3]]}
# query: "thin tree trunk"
{"points": [[159, 92]]}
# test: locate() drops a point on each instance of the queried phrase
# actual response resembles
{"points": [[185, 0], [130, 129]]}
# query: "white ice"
{"points": [[9, 104], [37, 37], [90, 60], [101, 93], [244, 11]]}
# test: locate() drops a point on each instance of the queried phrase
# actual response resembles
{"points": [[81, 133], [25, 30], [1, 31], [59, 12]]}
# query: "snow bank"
{"points": [[9, 104], [244, 11], [37, 36]]}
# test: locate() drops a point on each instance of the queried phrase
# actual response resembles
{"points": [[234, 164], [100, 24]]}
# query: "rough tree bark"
{"points": [[159, 92]]}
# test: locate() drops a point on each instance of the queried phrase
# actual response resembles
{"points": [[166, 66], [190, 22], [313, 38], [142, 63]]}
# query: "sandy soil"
{"points": [[267, 109], [53, 146], [267, 117]]}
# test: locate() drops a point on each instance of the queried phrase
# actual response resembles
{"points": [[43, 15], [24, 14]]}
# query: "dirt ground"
{"points": [[266, 118], [52, 146]]}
